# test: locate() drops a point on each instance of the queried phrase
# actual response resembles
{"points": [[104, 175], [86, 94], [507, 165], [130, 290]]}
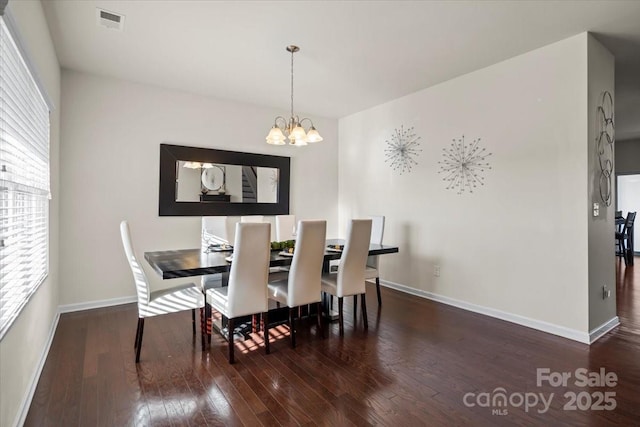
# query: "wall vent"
{"points": [[110, 20]]}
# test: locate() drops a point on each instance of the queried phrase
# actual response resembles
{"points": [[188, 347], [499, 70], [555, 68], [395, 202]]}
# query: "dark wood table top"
{"points": [[194, 262]]}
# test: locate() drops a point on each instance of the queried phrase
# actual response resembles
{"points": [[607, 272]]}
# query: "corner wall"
{"points": [[111, 136], [601, 228], [23, 347], [516, 247]]}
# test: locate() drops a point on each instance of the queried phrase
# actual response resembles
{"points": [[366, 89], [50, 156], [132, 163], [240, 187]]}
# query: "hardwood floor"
{"points": [[414, 366]]}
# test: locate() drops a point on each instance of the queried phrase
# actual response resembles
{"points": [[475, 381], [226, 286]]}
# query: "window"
{"points": [[24, 182]]}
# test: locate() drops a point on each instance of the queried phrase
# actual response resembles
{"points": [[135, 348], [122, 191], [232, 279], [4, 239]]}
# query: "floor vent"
{"points": [[110, 20]]}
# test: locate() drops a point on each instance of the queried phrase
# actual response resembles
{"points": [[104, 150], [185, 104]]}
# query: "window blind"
{"points": [[24, 182]]}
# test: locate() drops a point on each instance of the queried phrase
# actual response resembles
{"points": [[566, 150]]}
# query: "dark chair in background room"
{"points": [[624, 239]]}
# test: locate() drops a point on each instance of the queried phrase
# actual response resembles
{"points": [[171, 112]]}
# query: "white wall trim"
{"points": [[70, 308], [26, 401], [550, 328], [597, 333]]}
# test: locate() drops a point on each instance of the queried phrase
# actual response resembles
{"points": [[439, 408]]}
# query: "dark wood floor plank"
{"points": [[65, 397], [232, 393], [244, 367], [314, 376], [413, 366], [224, 409]]}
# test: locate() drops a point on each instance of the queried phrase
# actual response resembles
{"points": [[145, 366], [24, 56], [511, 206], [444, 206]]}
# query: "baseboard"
{"points": [[600, 331], [539, 325], [26, 402], [70, 308]]}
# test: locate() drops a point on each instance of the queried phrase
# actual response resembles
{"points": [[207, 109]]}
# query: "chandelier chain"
{"points": [[292, 52]]}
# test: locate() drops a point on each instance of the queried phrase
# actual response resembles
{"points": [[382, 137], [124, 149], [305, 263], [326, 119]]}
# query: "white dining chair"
{"points": [[371, 272], [285, 230], [175, 295], [285, 227], [350, 277], [216, 230], [252, 218], [302, 286], [246, 293]]}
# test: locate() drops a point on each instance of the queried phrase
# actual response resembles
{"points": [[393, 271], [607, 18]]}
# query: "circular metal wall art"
{"points": [[463, 165], [604, 145], [402, 150]]}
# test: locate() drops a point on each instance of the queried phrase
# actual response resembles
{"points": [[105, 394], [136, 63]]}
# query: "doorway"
{"points": [[628, 200]]}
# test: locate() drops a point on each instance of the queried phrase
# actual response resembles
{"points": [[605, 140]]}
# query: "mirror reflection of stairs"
{"points": [[249, 184]]}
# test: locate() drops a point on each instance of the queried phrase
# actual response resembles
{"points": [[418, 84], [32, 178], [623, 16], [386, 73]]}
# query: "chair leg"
{"points": [[139, 346], [230, 328], [265, 329], [355, 306], [292, 327], [203, 329], [340, 316], [625, 253], [208, 315], [135, 343], [319, 314], [193, 320], [364, 311], [378, 290]]}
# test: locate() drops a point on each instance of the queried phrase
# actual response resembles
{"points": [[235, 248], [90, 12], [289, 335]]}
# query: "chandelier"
{"points": [[292, 128]]}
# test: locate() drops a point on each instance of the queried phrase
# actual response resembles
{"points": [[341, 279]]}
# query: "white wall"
{"points": [[267, 190], [601, 228], [22, 348], [627, 155], [112, 131], [518, 245]]}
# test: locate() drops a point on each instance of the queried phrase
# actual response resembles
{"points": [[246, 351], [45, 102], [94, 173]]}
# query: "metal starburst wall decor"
{"points": [[402, 149], [463, 165]]}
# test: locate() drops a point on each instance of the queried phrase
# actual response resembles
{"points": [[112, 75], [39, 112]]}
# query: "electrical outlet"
{"points": [[606, 292], [596, 209], [436, 270]]}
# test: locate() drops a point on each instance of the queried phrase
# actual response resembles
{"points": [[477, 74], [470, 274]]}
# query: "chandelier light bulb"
{"points": [[313, 135], [276, 137]]}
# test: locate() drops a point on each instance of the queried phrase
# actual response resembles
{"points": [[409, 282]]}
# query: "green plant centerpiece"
{"points": [[287, 245]]}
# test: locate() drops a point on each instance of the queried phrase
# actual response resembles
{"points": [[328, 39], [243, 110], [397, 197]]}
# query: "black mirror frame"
{"points": [[170, 154]]}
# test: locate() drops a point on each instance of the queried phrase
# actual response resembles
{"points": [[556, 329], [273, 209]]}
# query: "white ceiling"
{"points": [[354, 54]]}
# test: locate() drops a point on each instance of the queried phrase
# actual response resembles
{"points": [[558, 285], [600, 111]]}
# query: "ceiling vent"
{"points": [[110, 20]]}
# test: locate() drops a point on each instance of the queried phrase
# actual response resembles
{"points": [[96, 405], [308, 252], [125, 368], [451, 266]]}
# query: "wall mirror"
{"points": [[208, 182]]}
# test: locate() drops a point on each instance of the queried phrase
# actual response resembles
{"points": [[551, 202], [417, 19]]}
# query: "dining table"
{"points": [[177, 263], [180, 263]]}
